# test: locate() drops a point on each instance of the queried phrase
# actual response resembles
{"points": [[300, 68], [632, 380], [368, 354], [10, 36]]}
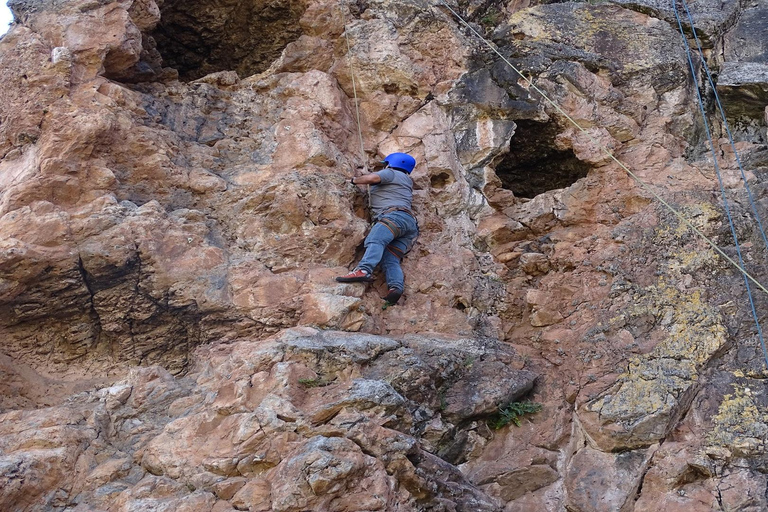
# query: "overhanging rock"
{"points": [[743, 88]]}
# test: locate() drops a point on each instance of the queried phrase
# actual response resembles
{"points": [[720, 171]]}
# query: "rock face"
{"points": [[175, 203], [308, 420]]}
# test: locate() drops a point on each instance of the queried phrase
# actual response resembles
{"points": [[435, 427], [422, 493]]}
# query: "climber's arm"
{"points": [[367, 179]]}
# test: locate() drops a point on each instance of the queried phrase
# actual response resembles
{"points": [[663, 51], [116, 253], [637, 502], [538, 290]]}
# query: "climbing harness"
{"points": [[714, 158], [608, 153], [396, 209]]}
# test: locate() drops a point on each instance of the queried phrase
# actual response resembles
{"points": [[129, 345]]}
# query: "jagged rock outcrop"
{"points": [[174, 205], [308, 420]]}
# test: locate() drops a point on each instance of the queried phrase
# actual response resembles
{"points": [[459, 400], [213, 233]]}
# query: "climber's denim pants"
{"points": [[390, 239]]}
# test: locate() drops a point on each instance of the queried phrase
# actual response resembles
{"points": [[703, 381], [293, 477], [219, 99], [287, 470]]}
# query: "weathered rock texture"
{"points": [[174, 205], [309, 420]]}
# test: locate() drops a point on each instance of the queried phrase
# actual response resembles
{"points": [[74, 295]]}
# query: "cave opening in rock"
{"points": [[198, 38], [534, 165]]}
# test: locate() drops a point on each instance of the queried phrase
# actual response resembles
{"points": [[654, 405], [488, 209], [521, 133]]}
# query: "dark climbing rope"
{"points": [[725, 125], [689, 56]]}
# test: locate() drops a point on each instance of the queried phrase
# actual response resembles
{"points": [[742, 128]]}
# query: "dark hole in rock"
{"points": [[441, 180], [533, 164], [203, 37], [460, 304], [692, 474]]}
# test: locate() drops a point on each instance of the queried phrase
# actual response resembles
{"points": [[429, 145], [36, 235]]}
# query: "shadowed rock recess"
{"points": [[534, 165], [175, 204], [199, 38]]}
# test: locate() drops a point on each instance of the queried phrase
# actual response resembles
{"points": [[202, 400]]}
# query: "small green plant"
{"points": [[443, 401], [512, 414], [309, 383], [491, 18], [315, 383]]}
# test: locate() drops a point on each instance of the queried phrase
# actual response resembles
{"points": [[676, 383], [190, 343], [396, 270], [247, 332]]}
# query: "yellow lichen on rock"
{"points": [[739, 425], [703, 216], [638, 409], [646, 397]]}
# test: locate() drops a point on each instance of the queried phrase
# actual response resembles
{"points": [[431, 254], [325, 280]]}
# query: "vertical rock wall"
{"points": [[174, 205]]}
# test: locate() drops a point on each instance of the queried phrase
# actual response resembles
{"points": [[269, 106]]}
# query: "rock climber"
{"points": [[395, 228]]}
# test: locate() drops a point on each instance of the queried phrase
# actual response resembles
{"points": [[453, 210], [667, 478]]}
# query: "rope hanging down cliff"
{"points": [[715, 159], [354, 86], [723, 117], [609, 154], [354, 93]]}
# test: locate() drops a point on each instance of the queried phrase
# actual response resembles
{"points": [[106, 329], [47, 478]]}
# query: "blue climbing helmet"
{"points": [[401, 161]]}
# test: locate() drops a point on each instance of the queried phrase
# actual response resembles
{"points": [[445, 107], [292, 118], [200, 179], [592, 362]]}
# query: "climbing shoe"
{"points": [[393, 296], [356, 276]]}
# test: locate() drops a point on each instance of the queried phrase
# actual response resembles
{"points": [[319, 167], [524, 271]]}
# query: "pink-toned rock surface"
{"points": [[307, 420], [175, 205]]}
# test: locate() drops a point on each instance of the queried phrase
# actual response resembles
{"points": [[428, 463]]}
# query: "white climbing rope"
{"points": [[354, 86], [354, 93]]}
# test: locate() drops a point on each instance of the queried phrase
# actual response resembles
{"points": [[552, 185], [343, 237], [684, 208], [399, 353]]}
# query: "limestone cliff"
{"points": [[175, 203]]}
